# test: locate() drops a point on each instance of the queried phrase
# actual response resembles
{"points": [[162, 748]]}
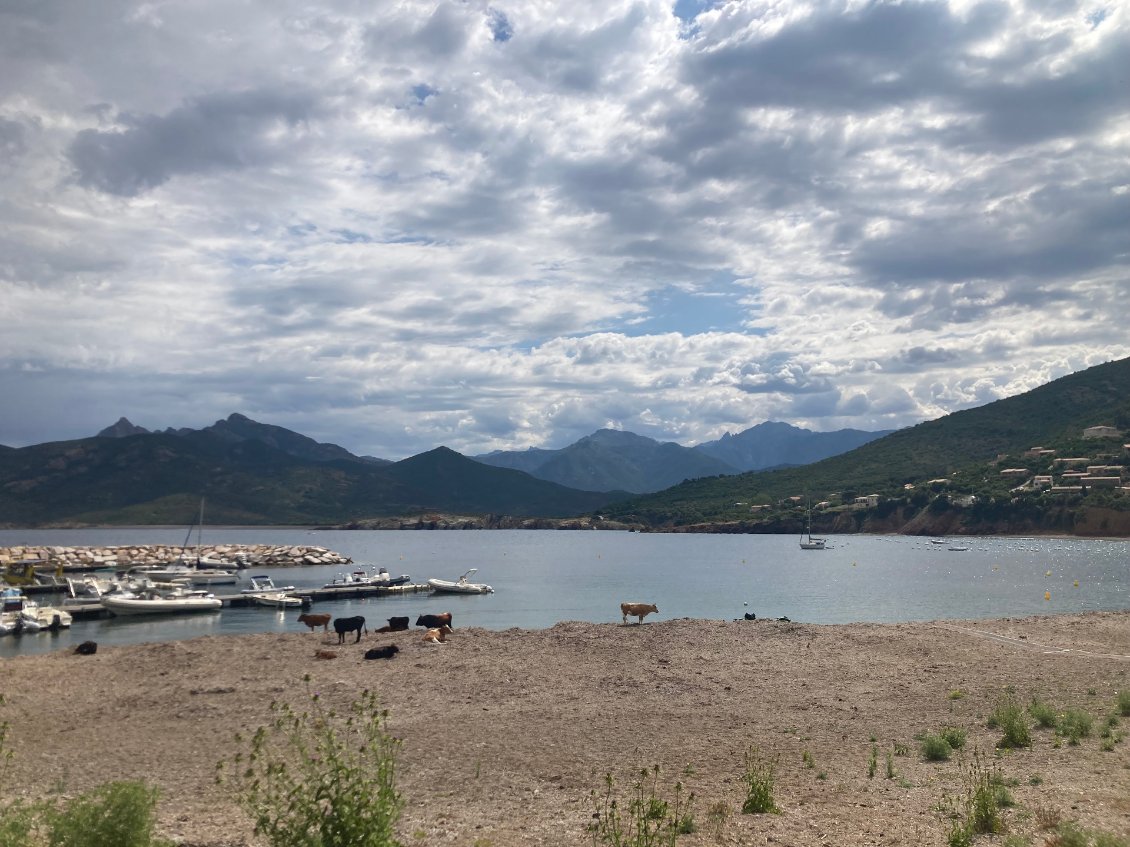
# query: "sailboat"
{"points": [[807, 541], [197, 569]]}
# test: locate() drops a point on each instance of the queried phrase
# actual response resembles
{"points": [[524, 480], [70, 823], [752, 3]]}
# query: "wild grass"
{"points": [[645, 819], [1124, 703], [1074, 725], [1008, 716], [935, 748], [1043, 714], [320, 779], [758, 778], [978, 811]]}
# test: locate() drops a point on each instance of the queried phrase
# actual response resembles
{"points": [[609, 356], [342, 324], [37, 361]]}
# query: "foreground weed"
{"points": [[116, 814], [1124, 703], [935, 748], [1008, 716], [890, 766], [319, 779], [1043, 714], [953, 736], [978, 811], [758, 779], [1075, 724], [647, 820], [718, 815], [873, 762]]}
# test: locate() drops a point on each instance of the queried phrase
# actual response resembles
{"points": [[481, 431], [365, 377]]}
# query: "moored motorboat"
{"points": [[169, 600], [461, 585], [362, 579], [264, 592], [19, 614]]}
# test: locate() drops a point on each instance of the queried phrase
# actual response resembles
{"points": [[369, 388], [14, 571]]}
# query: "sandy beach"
{"points": [[506, 734]]}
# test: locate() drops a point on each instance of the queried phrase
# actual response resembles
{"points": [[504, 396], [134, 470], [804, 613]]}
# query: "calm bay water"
{"points": [[542, 577]]}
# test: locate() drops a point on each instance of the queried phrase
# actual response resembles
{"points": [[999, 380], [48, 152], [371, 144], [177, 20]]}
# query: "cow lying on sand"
{"points": [[433, 621], [344, 625], [437, 635], [315, 621], [395, 625], [386, 652], [637, 609]]}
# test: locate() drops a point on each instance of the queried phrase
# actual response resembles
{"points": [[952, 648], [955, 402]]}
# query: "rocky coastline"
{"points": [[127, 556]]}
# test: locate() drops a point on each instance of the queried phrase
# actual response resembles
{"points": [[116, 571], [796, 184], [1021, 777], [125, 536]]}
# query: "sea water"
{"points": [[542, 577]]}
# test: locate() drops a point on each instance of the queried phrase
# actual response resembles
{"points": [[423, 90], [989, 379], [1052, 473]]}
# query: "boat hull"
{"points": [[146, 606], [444, 586]]}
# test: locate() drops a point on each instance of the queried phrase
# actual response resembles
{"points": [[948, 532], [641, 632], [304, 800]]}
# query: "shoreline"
{"points": [[505, 734]]}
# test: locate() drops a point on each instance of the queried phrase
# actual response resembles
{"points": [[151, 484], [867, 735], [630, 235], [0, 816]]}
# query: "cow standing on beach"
{"points": [[638, 610], [353, 624]]}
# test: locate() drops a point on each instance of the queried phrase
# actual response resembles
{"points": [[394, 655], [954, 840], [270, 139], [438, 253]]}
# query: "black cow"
{"points": [[750, 616], [386, 652], [434, 621], [87, 648], [396, 625], [344, 625]]}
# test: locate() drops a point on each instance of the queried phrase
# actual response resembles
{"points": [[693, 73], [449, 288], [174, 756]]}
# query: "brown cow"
{"points": [[637, 609], [315, 621], [438, 635], [325, 654]]}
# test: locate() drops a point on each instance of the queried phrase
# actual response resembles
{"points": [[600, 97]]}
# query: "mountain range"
{"points": [[612, 460], [255, 473]]}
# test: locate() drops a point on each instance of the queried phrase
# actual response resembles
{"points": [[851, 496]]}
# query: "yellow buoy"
{"points": [[1049, 573], [1076, 583], [1047, 595]]}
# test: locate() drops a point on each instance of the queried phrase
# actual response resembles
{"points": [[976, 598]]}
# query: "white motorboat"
{"points": [[461, 585], [169, 600], [264, 592], [362, 579], [20, 614]]}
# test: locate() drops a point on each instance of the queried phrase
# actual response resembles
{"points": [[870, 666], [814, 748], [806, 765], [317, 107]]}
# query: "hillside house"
{"points": [[867, 501], [1036, 452], [1015, 473], [1101, 432], [1101, 481], [1073, 462], [1105, 470]]}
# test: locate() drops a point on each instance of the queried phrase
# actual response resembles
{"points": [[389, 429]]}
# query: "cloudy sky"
{"points": [[494, 225]]}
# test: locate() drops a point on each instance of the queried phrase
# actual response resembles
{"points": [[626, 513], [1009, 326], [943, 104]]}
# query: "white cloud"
{"points": [[396, 226]]}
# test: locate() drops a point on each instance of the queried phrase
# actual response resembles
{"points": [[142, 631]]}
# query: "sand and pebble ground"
{"points": [[506, 734]]}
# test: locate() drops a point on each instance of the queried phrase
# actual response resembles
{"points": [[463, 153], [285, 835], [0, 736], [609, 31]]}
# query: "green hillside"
{"points": [[964, 442], [159, 478]]}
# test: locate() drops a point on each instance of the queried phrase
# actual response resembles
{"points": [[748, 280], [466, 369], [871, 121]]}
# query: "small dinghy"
{"points": [[461, 585]]}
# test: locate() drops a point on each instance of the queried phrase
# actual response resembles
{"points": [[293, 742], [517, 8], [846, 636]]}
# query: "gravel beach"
{"points": [[506, 734]]}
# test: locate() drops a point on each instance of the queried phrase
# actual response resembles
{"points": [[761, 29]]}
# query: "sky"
{"points": [[499, 225]]}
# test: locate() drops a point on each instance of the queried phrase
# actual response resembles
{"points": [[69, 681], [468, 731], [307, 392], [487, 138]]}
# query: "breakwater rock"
{"points": [[253, 555]]}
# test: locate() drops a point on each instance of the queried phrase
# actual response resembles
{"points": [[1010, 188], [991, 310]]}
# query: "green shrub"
{"points": [[953, 736], [1124, 703], [1044, 714], [319, 779], [648, 819], [873, 762], [1075, 724], [758, 779], [978, 812], [935, 748], [1008, 716], [116, 814]]}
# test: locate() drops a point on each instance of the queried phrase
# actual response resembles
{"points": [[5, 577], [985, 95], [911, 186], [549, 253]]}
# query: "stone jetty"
{"points": [[255, 555]]}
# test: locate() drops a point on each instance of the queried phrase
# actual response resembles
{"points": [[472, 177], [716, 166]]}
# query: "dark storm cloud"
{"points": [[211, 133]]}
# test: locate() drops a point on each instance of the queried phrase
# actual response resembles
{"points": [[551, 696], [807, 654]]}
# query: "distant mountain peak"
{"points": [[121, 429]]}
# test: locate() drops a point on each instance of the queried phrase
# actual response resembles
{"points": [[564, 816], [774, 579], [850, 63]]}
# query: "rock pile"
{"points": [[254, 555]]}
